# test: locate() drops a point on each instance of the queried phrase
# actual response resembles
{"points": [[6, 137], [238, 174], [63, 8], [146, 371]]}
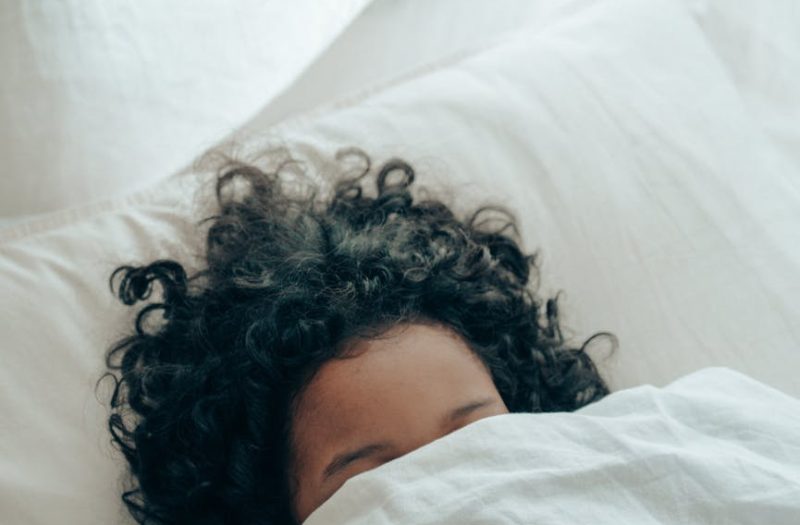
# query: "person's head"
{"points": [[389, 395], [326, 335]]}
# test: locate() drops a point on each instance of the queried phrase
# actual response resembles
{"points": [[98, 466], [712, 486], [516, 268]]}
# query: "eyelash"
{"points": [[385, 459], [464, 421]]}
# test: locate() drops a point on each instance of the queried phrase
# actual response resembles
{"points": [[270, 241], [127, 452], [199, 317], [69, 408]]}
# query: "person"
{"points": [[325, 335]]}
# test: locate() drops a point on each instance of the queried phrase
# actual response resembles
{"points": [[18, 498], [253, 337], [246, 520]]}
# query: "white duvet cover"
{"points": [[713, 447]]}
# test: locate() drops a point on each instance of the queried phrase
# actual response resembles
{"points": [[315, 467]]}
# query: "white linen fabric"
{"points": [[656, 199], [759, 47], [101, 98], [757, 44], [713, 447], [391, 38]]}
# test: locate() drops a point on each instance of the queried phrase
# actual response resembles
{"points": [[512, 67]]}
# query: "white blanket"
{"points": [[713, 447]]}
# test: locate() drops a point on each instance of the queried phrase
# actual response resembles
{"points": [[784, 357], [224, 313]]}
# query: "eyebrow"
{"points": [[341, 460]]}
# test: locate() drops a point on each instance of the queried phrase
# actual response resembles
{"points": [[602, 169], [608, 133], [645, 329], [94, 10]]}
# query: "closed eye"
{"points": [[343, 459], [464, 411]]}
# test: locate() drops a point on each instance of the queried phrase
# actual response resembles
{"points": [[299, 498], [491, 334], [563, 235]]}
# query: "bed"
{"points": [[650, 152]]}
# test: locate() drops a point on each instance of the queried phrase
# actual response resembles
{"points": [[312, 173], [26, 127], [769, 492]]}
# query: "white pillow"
{"points": [[759, 46], [99, 98], [658, 207], [355, 60]]}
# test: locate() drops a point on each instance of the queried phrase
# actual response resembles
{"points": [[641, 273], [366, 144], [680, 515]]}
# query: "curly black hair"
{"points": [[202, 402]]}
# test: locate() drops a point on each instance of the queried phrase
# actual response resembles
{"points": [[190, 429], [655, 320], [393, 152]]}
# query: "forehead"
{"points": [[410, 368]]}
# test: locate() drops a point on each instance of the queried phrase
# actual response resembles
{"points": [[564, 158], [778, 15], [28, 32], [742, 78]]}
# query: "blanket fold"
{"points": [[712, 447]]}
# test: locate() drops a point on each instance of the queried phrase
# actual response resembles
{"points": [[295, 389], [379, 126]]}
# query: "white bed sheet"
{"points": [[713, 447]]}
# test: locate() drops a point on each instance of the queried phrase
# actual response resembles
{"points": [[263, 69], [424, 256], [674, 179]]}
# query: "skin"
{"points": [[403, 388]]}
